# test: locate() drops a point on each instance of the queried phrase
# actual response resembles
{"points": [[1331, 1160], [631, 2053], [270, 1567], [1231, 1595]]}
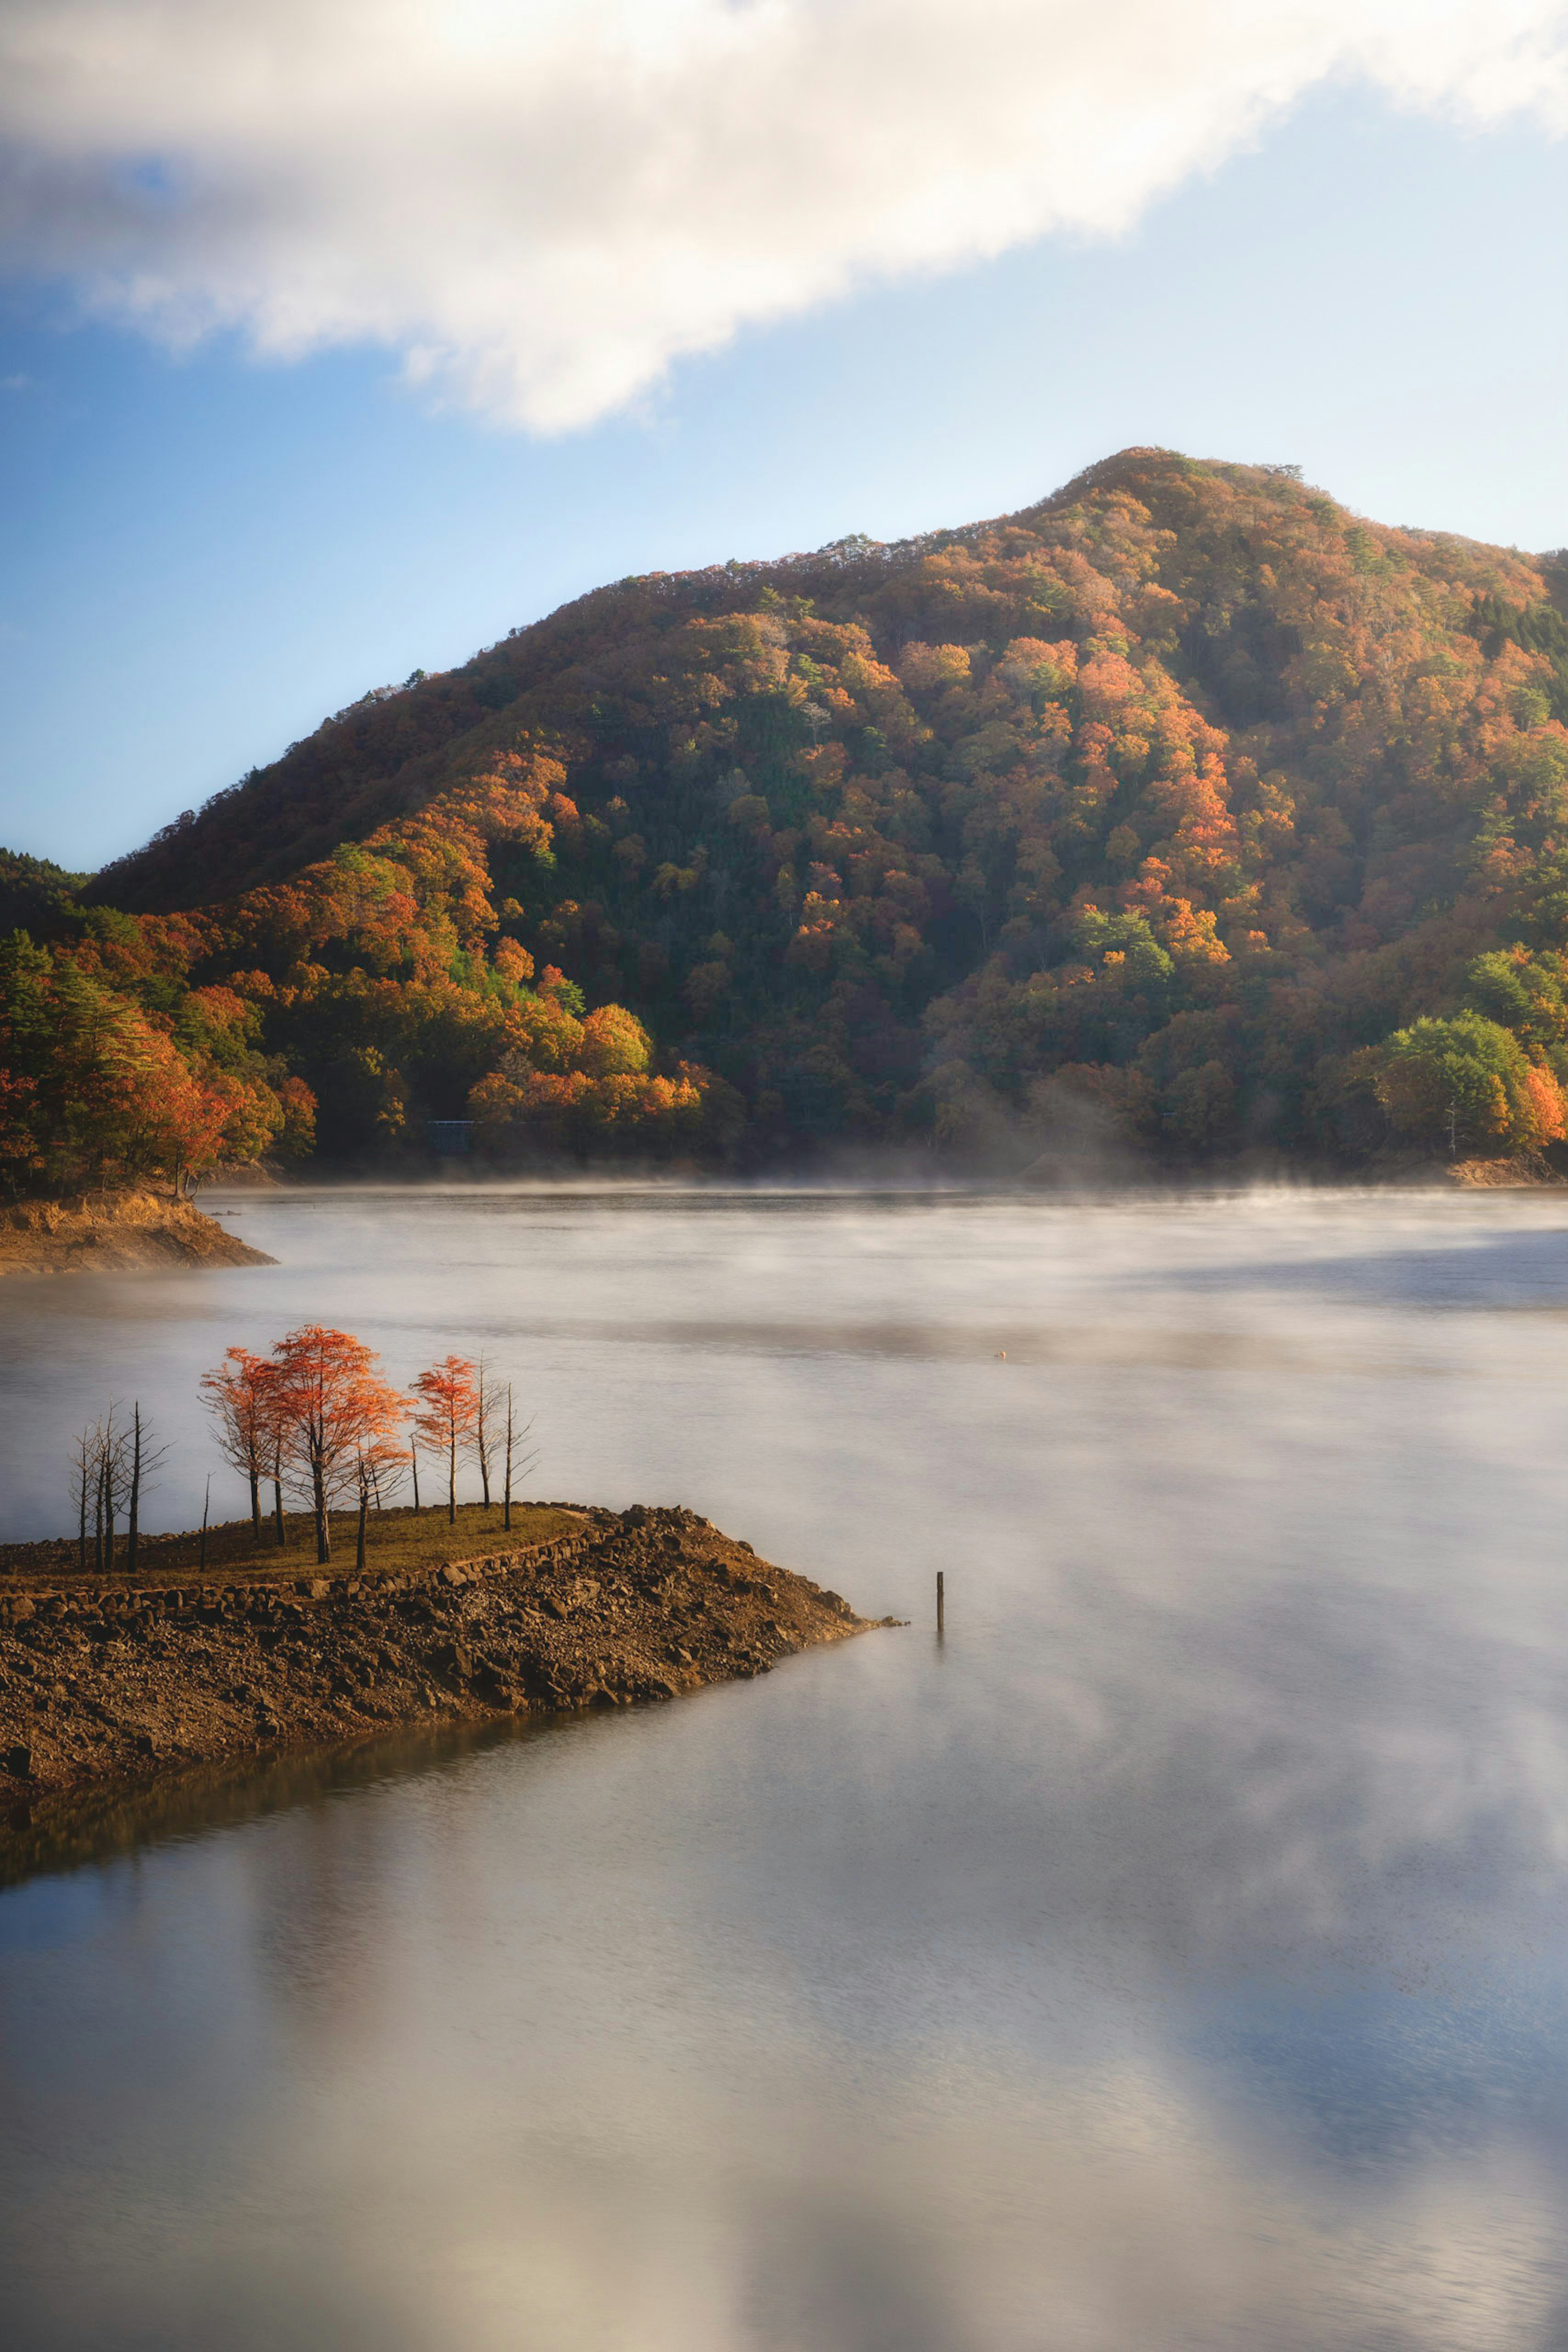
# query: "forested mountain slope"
{"points": [[1184, 795]]}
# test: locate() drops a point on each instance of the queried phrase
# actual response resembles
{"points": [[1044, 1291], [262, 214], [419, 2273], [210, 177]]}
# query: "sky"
{"points": [[337, 341]]}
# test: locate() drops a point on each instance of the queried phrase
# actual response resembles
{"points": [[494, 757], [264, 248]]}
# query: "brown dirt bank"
{"points": [[108, 1233], [1525, 1169], [105, 1684]]}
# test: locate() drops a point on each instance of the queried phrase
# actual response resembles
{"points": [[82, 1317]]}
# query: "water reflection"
{"points": [[1167, 1960]]}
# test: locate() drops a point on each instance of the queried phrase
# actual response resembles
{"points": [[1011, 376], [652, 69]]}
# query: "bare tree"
{"points": [[485, 1419], [520, 1455], [378, 1463], [111, 1487], [146, 1460], [388, 1470], [84, 1488], [103, 1498], [109, 1471]]}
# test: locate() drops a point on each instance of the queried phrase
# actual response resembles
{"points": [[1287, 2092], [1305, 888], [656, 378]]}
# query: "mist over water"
{"points": [[1170, 1957]]}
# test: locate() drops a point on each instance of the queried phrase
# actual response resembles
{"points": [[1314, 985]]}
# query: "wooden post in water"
{"points": [[939, 1602]]}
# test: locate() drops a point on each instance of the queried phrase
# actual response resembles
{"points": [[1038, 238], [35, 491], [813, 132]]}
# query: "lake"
{"points": [[1170, 1956]]}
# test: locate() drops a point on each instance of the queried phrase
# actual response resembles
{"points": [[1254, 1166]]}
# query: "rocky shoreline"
{"points": [[111, 1232], [1524, 1171], [102, 1685]]}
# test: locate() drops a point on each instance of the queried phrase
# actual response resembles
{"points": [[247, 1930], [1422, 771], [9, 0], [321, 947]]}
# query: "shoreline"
{"points": [[141, 1231], [115, 1233], [904, 1176], [106, 1685]]}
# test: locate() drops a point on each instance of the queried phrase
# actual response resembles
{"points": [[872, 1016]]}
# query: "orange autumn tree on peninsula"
{"points": [[447, 1416], [334, 1412], [242, 1395]]}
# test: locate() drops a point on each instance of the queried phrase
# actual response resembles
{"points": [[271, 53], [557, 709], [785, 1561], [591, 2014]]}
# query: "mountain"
{"points": [[1184, 807]]}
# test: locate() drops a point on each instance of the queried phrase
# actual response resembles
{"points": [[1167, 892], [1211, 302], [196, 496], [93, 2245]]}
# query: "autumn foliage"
{"points": [[334, 1410], [1184, 790], [244, 1400], [446, 1414], [316, 1417]]}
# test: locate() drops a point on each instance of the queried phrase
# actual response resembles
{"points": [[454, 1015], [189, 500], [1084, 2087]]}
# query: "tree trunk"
{"points": [[360, 1538], [255, 1502], [414, 1464], [98, 1521], [135, 1489], [277, 1513], [323, 1531], [506, 1515], [81, 1516], [206, 1501], [452, 1480]]}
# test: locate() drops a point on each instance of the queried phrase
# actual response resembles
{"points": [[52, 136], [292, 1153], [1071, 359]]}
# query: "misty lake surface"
{"points": [[1170, 1957]]}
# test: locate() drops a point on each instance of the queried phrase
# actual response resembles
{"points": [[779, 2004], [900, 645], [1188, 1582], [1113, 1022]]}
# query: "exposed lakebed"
{"points": [[1169, 1956], [101, 1683]]}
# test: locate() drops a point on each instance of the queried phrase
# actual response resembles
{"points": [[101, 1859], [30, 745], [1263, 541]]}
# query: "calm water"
{"points": [[1172, 1958]]}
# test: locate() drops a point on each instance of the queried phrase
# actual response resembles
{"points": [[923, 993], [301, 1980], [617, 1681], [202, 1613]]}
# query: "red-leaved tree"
{"points": [[242, 1395], [333, 1409], [447, 1416]]}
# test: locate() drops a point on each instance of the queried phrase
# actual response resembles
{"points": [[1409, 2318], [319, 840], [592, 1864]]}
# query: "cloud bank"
{"points": [[540, 204]]}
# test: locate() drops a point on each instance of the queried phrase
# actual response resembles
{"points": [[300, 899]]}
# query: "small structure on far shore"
{"points": [[450, 1138]]}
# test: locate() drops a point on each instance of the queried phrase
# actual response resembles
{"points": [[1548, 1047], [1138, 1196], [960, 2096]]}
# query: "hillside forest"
{"points": [[1185, 815]]}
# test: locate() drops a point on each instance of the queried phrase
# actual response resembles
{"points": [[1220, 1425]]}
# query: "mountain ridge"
{"points": [[1170, 806], [411, 720]]}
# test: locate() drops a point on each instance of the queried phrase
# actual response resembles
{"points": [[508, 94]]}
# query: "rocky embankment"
{"points": [[1525, 1169], [109, 1232], [99, 1684]]}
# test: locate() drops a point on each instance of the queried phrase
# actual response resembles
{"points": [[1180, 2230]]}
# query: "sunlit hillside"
{"points": [[1184, 803]]}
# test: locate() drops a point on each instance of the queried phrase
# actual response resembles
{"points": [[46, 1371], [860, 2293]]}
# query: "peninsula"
{"points": [[113, 1232], [450, 1620]]}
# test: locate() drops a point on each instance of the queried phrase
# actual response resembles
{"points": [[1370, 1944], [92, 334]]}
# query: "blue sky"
{"points": [[208, 551]]}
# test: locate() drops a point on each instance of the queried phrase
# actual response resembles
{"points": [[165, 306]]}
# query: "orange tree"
{"points": [[243, 1397], [332, 1407], [447, 1417], [98, 1083]]}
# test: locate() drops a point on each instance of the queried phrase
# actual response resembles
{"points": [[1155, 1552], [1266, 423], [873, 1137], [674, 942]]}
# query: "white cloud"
{"points": [[541, 204]]}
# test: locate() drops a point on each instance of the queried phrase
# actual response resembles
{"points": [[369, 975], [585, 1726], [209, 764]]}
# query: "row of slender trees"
{"points": [[112, 1466], [314, 1419]]}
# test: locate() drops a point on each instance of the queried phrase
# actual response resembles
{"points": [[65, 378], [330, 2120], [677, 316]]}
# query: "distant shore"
{"points": [[117, 1231], [106, 1681]]}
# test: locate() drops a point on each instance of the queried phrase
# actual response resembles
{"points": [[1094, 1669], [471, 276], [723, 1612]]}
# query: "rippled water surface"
{"points": [[1171, 1957]]}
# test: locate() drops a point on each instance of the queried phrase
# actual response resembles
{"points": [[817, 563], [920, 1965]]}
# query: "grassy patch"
{"points": [[395, 1542]]}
